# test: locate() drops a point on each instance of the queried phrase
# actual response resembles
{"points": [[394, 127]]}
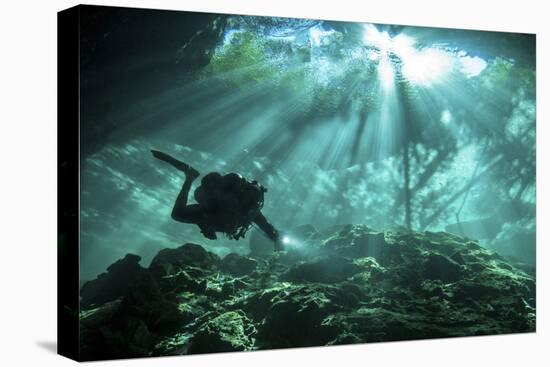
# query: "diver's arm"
{"points": [[266, 227]]}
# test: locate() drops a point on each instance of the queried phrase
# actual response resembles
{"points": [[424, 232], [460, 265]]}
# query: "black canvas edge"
{"points": [[68, 176]]}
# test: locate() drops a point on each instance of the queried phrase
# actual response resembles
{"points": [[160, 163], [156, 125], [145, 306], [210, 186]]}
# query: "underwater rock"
{"points": [[457, 258], [115, 283], [127, 327], [360, 241], [256, 304], [129, 337], [146, 301], [131, 326], [305, 232], [329, 269], [171, 260], [181, 281], [295, 319], [442, 268], [346, 338], [95, 317], [238, 265], [372, 244], [104, 335], [362, 286], [228, 332], [371, 272]]}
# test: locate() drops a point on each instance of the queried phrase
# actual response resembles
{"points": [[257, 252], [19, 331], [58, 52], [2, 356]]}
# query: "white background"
{"points": [[28, 182]]}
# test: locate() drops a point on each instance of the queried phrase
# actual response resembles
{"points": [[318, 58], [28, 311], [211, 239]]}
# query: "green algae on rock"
{"points": [[352, 285]]}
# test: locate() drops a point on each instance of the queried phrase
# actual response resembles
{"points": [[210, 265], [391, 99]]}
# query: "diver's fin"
{"points": [[189, 171]]}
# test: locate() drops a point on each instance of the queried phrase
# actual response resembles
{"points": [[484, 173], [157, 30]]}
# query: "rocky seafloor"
{"points": [[347, 285]]}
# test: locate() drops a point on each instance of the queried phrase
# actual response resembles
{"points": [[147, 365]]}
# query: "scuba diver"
{"points": [[228, 204]]}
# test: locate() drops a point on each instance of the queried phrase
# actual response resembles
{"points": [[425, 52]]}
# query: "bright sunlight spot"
{"points": [[472, 66], [385, 73], [422, 67], [403, 45], [380, 40], [446, 117], [426, 66]]}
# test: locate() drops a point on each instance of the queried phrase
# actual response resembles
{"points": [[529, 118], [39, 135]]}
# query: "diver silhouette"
{"points": [[229, 203]]}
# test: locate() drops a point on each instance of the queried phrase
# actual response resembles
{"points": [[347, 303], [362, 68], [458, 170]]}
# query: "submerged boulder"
{"points": [[296, 318], [360, 241], [441, 267], [120, 277], [182, 281], [110, 332], [305, 232], [228, 332], [354, 285], [328, 269], [238, 265], [171, 260]]}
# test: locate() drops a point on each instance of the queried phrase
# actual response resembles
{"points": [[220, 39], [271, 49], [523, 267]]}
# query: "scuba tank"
{"points": [[251, 203]]}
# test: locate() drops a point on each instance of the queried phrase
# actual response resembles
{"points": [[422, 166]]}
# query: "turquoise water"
{"points": [[387, 126]]}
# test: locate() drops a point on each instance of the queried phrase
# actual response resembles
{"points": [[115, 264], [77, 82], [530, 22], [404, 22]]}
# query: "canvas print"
{"points": [[249, 183]]}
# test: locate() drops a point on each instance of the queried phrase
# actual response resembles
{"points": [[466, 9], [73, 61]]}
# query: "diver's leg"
{"points": [[183, 212], [193, 214]]}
